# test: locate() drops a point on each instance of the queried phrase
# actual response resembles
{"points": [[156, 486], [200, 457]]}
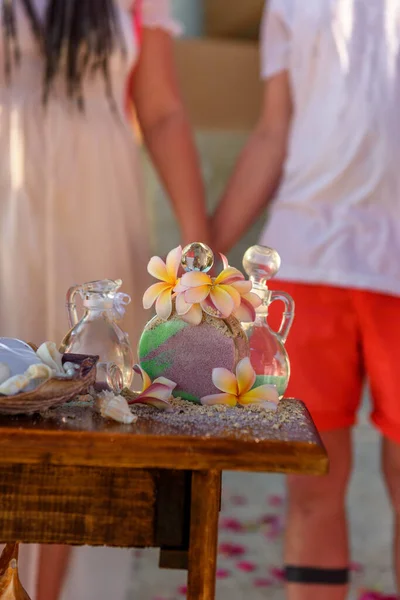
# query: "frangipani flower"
{"points": [[228, 293], [167, 273], [156, 393], [239, 389]]}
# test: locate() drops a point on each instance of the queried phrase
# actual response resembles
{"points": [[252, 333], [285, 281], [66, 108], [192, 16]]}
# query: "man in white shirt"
{"points": [[326, 149]]}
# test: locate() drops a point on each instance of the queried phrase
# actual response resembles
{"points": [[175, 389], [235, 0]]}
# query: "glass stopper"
{"points": [[261, 263], [197, 257]]}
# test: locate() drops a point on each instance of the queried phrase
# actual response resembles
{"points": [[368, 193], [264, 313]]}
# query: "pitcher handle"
{"points": [[287, 315], [73, 318]]}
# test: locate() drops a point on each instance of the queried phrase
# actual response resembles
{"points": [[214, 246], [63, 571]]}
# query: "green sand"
{"points": [[153, 338]]}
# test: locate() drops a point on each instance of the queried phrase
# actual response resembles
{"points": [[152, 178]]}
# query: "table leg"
{"points": [[204, 512]]}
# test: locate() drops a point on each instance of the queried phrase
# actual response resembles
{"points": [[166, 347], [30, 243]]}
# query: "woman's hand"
{"points": [[167, 134]]}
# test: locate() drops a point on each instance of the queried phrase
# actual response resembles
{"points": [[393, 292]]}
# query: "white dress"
{"points": [[71, 210]]}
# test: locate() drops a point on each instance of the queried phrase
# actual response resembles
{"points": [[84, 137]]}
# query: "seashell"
{"points": [[50, 356], [114, 407], [39, 372], [5, 372], [14, 385]]}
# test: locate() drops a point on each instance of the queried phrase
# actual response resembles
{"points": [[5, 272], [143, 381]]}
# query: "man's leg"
{"points": [[327, 374], [391, 473], [316, 534]]}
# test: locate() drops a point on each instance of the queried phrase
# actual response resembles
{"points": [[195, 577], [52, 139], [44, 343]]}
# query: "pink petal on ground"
{"points": [[238, 500], [231, 550], [263, 582], [278, 574], [370, 596], [231, 524], [223, 573], [182, 590], [275, 500], [246, 566]]}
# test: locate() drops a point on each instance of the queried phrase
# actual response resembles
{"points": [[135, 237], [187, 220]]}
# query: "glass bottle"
{"points": [[267, 347], [98, 332]]}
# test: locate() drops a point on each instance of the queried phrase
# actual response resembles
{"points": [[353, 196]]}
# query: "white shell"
{"points": [[14, 385], [5, 372], [39, 372], [51, 357], [114, 407]]}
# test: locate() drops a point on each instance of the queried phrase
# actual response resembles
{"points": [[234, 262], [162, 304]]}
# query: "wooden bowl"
{"points": [[55, 391]]}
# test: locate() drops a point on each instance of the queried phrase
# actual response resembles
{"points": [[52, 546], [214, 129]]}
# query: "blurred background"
{"points": [[223, 103]]}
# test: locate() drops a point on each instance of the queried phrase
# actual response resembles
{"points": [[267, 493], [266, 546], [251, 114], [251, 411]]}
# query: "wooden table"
{"points": [[73, 478]]}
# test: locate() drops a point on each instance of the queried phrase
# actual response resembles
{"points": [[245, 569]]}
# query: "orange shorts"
{"points": [[340, 338]]}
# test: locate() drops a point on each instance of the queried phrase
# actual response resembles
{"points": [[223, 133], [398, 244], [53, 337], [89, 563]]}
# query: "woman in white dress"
{"points": [[71, 202]]}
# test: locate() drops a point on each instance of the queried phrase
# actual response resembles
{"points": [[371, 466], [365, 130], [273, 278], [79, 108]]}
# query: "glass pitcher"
{"points": [[267, 347], [98, 333]]}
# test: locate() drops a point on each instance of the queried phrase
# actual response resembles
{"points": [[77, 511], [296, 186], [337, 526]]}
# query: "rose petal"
{"points": [[246, 566], [152, 293], [197, 294], [173, 263], [223, 573], [231, 524], [229, 275], [195, 279], [219, 399], [194, 316], [222, 301], [157, 269], [230, 550], [225, 381], [245, 376], [182, 590], [262, 582], [277, 573], [164, 304], [146, 381]]}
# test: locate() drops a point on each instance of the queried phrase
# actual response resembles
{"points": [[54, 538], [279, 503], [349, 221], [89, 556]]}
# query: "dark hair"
{"points": [[76, 37]]}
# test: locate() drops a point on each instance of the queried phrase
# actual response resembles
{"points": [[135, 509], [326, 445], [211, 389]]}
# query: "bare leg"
{"points": [[53, 567], [316, 534], [391, 472]]}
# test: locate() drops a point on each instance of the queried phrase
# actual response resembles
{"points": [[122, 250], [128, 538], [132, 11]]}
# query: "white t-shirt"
{"points": [[336, 215]]}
